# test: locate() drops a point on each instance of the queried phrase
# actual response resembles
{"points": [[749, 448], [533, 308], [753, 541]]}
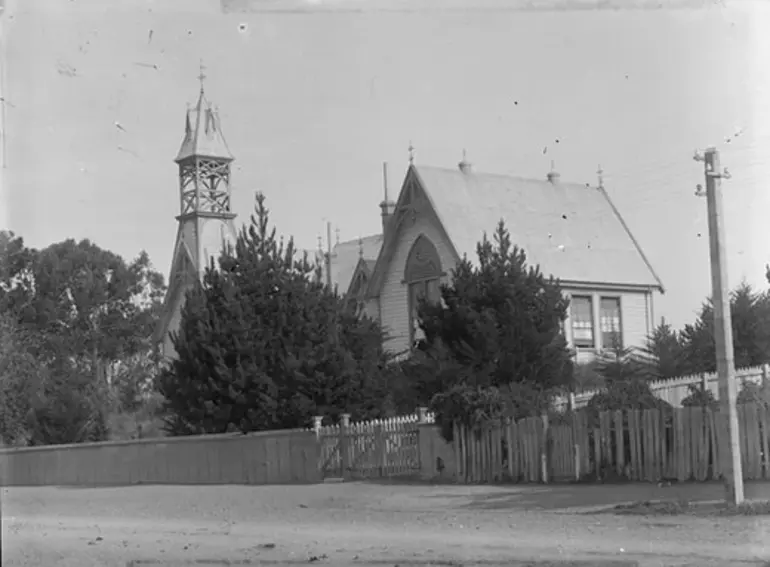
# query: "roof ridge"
{"points": [[573, 184]]}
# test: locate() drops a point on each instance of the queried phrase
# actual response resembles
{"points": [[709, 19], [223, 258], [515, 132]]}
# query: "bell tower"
{"points": [[205, 220]]}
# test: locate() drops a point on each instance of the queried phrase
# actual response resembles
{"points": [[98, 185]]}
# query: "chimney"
{"points": [[387, 207], [465, 166], [553, 175]]}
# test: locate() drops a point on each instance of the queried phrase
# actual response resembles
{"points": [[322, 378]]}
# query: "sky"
{"points": [[314, 98]]}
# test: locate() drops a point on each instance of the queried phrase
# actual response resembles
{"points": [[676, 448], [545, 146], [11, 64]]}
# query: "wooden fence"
{"points": [[266, 457], [632, 445], [371, 449]]}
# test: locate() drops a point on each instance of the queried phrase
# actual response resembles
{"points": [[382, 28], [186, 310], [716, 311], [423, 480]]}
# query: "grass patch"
{"points": [[684, 507]]}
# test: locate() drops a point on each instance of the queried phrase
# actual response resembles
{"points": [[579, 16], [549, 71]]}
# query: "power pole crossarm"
{"points": [[723, 333]]}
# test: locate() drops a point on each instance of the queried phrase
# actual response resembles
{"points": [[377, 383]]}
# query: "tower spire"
{"points": [[411, 153], [600, 175]]}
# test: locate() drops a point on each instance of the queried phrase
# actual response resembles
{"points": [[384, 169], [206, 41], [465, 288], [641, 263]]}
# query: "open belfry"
{"points": [[206, 220]]}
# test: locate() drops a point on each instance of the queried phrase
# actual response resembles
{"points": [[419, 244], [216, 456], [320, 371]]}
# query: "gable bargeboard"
{"points": [[416, 216]]}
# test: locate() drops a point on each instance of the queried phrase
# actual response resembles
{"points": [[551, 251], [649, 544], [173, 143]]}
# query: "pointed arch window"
{"points": [[422, 274]]}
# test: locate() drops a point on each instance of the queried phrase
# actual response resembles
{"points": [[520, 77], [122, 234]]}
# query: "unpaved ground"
{"points": [[343, 524]]}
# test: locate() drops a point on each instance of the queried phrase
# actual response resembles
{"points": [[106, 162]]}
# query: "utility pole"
{"points": [[329, 254], [730, 454]]}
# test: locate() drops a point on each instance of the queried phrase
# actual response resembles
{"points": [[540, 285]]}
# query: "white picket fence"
{"points": [[674, 390], [376, 448]]}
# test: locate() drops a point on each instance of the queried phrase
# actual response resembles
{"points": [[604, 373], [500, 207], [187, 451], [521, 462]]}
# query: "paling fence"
{"points": [[371, 449], [674, 390], [640, 445]]}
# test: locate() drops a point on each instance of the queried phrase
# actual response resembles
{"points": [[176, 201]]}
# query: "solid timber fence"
{"points": [[637, 445], [379, 448]]}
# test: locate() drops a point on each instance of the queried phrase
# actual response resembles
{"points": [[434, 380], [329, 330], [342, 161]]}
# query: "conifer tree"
{"points": [[264, 344], [496, 332]]}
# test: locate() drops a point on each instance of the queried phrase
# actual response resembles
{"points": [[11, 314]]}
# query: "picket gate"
{"points": [[373, 449]]}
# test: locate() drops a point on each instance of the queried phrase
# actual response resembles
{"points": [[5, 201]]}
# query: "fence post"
{"points": [[765, 377], [571, 401], [345, 445], [576, 444], [544, 451], [317, 422], [704, 382], [422, 414]]}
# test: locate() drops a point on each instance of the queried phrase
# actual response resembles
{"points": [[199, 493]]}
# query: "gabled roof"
{"points": [[345, 258], [572, 231], [203, 133]]}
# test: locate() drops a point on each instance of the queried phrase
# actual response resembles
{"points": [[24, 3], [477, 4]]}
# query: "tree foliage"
{"points": [[80, 310], [700, 397], [494, 342], [750, 315], [263, 344], [666, 349]]}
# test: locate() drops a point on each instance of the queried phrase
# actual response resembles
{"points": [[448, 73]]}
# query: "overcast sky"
{"points": [[313, 103]]}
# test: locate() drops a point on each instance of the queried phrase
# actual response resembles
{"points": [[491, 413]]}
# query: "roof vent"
{"points": [[465, 166]]}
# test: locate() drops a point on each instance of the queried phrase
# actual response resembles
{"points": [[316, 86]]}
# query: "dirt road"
{"points": [[356, 522]]}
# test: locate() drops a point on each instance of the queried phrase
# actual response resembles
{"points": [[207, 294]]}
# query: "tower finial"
{"points": [[411, 153], [337, 235], [202, 76], [600, 174], [360, 247]]}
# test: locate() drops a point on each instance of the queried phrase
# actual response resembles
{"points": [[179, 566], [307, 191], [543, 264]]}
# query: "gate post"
{"points": [[345, 445]]}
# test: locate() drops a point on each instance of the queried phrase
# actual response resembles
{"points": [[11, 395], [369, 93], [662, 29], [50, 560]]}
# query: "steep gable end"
{"points": [[413, 200]]}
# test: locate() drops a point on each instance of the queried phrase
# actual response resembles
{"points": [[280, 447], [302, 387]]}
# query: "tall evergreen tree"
{"points": [[497, 328], [264, 344], [664, 346], [750, 312]]}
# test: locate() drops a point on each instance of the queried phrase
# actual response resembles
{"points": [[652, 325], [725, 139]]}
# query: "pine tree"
{"points": [[264, 344], [750, 313], [498, 328]]}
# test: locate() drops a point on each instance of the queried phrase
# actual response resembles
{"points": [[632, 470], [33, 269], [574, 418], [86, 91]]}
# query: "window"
{"points": [[609, 315], [422, 274], [582, 321]]}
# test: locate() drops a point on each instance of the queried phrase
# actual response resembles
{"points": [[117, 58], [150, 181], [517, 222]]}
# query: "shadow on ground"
{"points": [[560, 497]]}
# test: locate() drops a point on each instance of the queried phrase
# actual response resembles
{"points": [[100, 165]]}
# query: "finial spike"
{"points": [[411, 153], [337, 234], [360, 247], [202, 75], [600, 175]]}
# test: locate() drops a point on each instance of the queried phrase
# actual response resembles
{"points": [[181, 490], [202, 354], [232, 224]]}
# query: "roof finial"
{"points": [[320, 243], [600, 174], [411, 153], [553, 175], [360, 247], [202, 76], [464, 165], [337, 234]]}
